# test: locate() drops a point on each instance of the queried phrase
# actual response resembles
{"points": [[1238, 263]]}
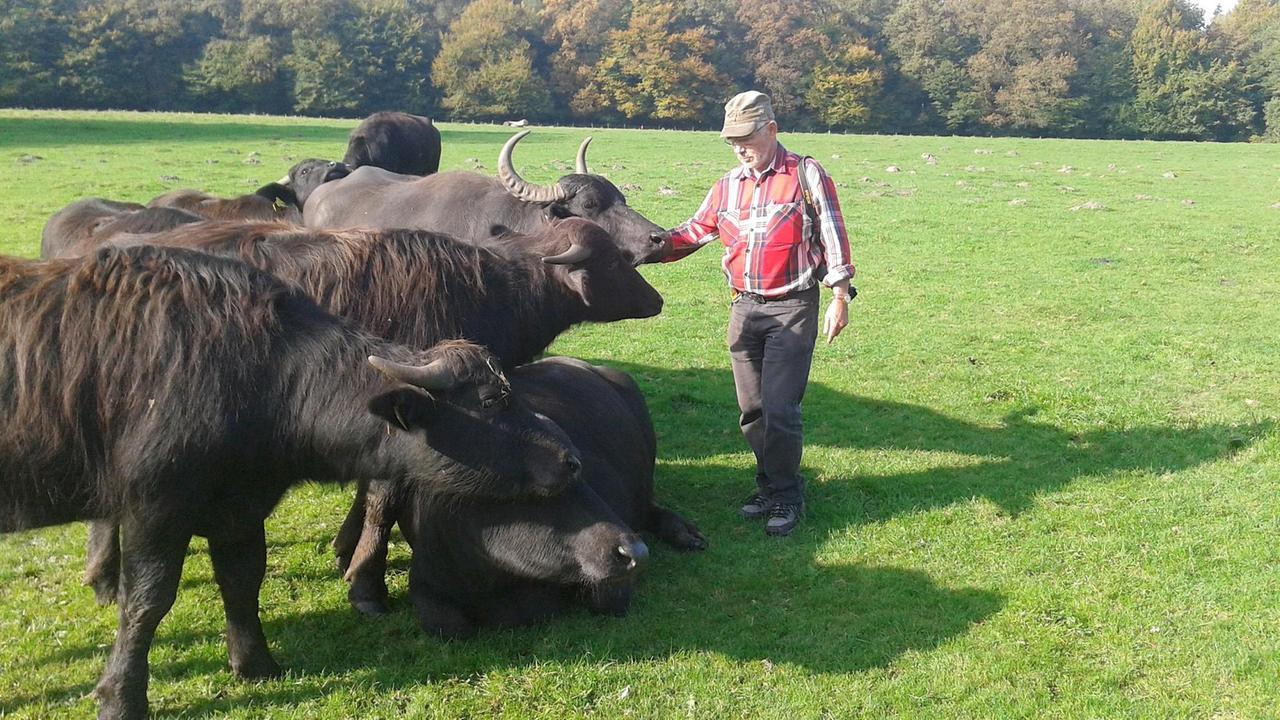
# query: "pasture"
{"points": [[1043, 461]]}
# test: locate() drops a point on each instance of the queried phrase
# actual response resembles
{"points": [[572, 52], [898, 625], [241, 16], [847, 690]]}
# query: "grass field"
{"points": [[1044, 459]]}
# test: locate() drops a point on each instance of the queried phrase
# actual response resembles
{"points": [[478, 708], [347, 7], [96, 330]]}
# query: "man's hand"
{"points": [[836, 319]]}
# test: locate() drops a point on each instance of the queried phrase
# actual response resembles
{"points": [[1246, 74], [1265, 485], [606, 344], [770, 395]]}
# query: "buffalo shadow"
{"points": [[63, 132], [748, 597]]}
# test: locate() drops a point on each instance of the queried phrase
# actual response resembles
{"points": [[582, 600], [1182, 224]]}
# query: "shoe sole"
{"points": [[758, 515]]}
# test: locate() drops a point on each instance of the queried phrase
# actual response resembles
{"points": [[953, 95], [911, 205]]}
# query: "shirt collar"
{"points": [[779, 165]]}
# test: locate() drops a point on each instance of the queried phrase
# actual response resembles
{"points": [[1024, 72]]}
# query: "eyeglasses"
{"points": [[746, 140]]}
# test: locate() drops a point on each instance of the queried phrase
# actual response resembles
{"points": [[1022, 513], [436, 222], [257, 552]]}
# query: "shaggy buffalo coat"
{"points": [[281, 201], [180, 394], [417, 288], [479, 563], [395, 141], [89, 223]]}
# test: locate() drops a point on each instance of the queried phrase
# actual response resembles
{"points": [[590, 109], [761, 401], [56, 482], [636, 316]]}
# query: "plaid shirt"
{"points": [[761, 220]]}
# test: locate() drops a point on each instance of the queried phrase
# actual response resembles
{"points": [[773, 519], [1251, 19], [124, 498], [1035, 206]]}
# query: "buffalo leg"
{"points": [[439, 617], [102, 560], [151, 569], [344, 545], [675, 530], [239, 564], [367, 572], [525, 605], [614, 599]]}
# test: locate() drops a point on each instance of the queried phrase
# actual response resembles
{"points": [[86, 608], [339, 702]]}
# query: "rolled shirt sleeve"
{"points": [[834, 238], [700, 229]]}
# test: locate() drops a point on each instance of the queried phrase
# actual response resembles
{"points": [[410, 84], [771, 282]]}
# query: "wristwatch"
{"points": [[853, 293]]}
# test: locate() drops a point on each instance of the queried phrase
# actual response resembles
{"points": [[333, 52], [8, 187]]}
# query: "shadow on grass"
{"points": [[61, 132], [750, 598]]}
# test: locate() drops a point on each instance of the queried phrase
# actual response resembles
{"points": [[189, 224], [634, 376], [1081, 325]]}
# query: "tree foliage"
{"points": [[1091, 68]]}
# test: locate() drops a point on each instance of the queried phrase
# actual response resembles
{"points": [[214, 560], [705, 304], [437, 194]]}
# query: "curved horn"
{"points": [[432, 376], [582, 156], [283, 181], [517, 185], [574, 255]]}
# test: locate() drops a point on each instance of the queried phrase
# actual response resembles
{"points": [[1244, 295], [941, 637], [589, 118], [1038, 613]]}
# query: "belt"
{"points": [[758, 298]]}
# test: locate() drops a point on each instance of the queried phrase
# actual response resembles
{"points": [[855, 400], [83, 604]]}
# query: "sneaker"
{"points": [[783, 518], [755, 507]]}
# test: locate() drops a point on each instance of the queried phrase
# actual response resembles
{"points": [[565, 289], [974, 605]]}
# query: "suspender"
{"points": [[806, 193]]}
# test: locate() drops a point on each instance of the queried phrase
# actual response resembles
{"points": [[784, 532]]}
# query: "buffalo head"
{"points": [[596, 270], [590, 196], [307, 175], [479, 438]]}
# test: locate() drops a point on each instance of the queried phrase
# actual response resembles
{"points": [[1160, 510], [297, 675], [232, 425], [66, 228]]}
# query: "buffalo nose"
{"points": [[634, 552], [657, 238]]}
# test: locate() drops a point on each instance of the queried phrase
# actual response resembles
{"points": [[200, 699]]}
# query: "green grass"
{"points": [[1044, 459]]}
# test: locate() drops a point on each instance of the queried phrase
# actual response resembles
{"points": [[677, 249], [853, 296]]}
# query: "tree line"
{"points": [[1069, 68]]}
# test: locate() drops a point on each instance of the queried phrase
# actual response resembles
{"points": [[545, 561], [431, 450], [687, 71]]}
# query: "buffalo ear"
{"points": [[558, 211], [403, 407]]}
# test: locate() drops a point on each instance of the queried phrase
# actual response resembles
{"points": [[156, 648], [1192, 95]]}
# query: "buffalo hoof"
{"points": [[262, 667], [370, 608], [343, 561], [675, 530], [104, 591]]}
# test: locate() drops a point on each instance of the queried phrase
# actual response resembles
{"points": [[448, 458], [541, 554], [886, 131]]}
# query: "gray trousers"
{"points": [[771, 349]]}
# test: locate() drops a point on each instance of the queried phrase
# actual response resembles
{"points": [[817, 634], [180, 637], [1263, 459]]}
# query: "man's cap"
{"points": [[746, 113]]}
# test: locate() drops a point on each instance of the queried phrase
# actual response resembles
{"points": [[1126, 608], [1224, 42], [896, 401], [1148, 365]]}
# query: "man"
{"points": [[774, 261]]}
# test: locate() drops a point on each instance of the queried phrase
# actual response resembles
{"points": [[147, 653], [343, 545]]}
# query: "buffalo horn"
{"points": [[283, 181], [574, 255], [432, 376], [582, 156], [517, 185]]}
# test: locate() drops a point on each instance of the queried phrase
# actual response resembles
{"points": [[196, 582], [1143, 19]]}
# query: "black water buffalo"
{"points": [[395, 141], [475, 208], [282, 200], [505, 563], [417, 288], [181, 394], [89, 223]]}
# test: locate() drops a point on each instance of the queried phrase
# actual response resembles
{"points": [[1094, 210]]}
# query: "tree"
{"points": [[844, 87], [1183, 91], [931, 48], [34, 35], [130, 53], [576, 33], [486, 65], [239, 75], [655, 69]]}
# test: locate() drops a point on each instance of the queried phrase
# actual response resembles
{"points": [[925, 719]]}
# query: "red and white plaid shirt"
{"points": [[761, 220]]}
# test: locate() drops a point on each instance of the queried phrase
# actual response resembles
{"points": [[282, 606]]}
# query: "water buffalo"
{"points": [[417, 288], [395, 141], [86, 224], [504, 563], [181, 394], [475, 208], [282, 200]]}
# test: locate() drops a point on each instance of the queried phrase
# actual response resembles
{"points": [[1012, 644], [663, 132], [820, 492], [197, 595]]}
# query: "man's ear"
{"points": [[403, 407], [558, 211]]}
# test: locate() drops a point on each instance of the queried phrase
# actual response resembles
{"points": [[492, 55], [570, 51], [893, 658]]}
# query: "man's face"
{"points": [[756, 150]]}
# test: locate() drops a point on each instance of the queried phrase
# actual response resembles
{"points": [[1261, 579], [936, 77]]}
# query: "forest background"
{"points": [[1062, 68]]}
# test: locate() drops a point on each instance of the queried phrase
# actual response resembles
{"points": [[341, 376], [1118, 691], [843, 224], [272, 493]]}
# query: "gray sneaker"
{"points": [[755, 507], [783, 518]]}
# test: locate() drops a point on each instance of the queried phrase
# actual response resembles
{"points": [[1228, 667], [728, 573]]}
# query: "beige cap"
{"points": [[746, 113]]}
